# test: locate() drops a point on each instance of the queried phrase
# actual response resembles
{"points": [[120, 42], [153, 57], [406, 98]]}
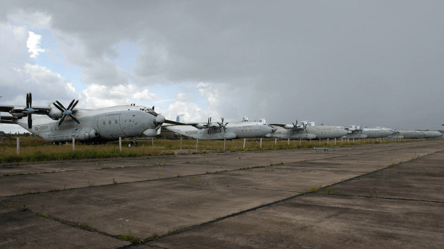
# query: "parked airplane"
{"points": [[58, 124], [411, 134], [290, 131], [432, 134], [221, 130], [355, 131], [308, 130], [377, 132]]}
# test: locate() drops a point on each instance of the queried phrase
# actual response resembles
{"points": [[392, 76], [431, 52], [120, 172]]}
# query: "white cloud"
{"points": [[33, 44], [211, 93], [191, 111], [49, 81], [96, 96]]}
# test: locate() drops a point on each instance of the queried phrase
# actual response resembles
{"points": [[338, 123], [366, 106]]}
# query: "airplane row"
{"points": [[306, 130], [57, 123]]}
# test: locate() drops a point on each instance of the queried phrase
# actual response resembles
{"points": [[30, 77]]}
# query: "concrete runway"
{"points": [[232, 200]]}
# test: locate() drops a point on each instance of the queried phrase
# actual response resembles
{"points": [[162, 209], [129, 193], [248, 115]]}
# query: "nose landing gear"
{"points": [[132, 143]]}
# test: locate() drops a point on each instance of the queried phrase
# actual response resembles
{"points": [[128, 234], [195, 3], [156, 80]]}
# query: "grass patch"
{"points": [[84, 226], [130, 238], [173, 231], [37, 149], [391, 165], [314, 189], [194, 180]]}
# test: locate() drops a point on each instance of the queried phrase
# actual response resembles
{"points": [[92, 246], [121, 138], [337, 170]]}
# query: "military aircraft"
{"points": [[59, 124], [308, 130], [377, 132], [355, 131], [291, 131], [408, 134], [221, 130], [432, 134]]}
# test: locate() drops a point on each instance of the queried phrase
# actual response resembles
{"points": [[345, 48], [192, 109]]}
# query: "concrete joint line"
{"points": [[385, 198]]}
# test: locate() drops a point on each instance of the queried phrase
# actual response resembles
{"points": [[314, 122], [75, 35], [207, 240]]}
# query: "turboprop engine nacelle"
{"points": [[55, 113], [288, 126], [87, 133], [150, 132], [200, 126]]}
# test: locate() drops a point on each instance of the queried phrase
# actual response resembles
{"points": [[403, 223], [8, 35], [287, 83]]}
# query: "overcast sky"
{"points": [[374, 63]]}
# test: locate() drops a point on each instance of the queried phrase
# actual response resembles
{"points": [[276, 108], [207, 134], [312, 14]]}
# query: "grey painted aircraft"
{"points": [[377, 132], [221, 130], [408, 134], [308, 130], [432, 134], [355, 131], [58, 124]]}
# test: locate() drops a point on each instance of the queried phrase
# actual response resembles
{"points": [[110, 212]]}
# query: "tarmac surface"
{"points": [[372, 196]]}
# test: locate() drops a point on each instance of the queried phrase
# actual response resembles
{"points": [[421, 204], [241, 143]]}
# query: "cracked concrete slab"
{"points": [[142, 203], [27, 230]]}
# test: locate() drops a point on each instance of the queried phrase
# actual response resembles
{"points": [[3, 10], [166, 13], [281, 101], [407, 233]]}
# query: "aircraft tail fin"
{"points": [[179, 118]]}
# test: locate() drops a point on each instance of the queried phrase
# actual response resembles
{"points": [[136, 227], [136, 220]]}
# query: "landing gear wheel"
{"points": [[130, 144]]}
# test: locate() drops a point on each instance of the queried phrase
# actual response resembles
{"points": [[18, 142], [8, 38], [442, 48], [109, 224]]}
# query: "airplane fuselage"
{"points": [[411, 134], [99, 124], [432, 134], [310, 132], [282, 133], [376, 132], [232, 131]]}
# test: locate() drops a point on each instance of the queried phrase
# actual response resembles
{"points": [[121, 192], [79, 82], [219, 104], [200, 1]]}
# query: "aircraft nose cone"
{"points": [[160, 119]]}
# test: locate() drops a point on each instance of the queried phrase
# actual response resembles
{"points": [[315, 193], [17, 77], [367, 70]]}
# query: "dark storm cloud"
{"points": [[337, 62]]}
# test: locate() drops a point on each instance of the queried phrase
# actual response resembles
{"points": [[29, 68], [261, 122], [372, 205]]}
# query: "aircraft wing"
{"points": [[280, 125], [178, 123], [15, 109], [285, 126]]}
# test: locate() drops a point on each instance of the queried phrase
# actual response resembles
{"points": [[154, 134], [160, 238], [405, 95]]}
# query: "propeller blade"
{"points": [[153, 108], [30, 100], [27, 100], [62, 106], [74, 118], [29, 121], [70, 104], [61, 120], [74, 105], [58, 107]]}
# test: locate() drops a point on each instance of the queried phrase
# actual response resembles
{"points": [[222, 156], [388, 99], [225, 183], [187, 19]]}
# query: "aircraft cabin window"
{"points": [[103, 122], [115, 121], [109, 122]]}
